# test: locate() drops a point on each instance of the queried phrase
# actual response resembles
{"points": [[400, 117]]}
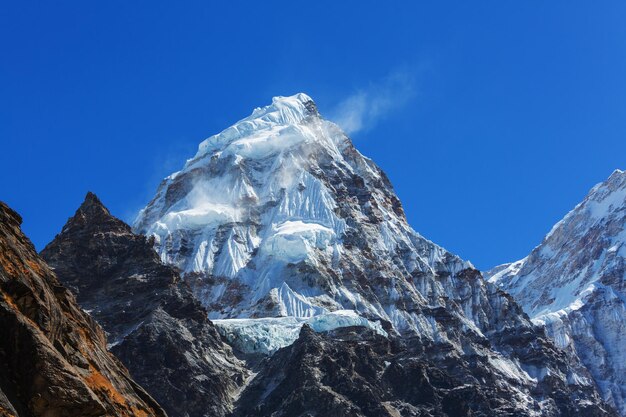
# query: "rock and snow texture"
{"points": [[53, 356], [574, 284], [279, 216], [355, 372]]}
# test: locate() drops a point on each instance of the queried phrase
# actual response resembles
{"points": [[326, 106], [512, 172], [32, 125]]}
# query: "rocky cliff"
{"points": [[155, 326], [53, 356]]}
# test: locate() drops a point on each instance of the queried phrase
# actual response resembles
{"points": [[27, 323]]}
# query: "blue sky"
{"points": [[492, 119]]}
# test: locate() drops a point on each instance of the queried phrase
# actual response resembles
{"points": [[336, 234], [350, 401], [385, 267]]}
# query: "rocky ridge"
{"points": [[356, 372], [155, 325], [53, 356]]}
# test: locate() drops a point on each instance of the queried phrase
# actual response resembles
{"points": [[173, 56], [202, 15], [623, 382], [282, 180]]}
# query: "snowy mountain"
{"points": [[574, 284], [279, 215], [279, 221]]}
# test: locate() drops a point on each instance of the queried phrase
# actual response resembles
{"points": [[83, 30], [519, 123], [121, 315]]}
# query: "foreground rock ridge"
{"points": [[155, 326], [53, 357], [280, 216], [574, 285]]}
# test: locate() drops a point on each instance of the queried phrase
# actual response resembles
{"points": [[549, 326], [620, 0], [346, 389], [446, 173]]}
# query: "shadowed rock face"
{"points": [[53, 357], [356, 372], [155, 326]]}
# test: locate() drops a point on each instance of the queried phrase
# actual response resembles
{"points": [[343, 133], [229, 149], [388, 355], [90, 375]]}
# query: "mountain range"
{"points": [[276, 274]]}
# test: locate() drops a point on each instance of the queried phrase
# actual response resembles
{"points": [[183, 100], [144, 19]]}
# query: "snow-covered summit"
{"points": [[269, 122], [574, 283], [280, 215]]}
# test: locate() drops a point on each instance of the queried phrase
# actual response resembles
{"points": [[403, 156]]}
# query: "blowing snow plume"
{"points": [[366, 107]]}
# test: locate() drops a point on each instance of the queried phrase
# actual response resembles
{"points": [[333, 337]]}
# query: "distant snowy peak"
{"points": [[574, 255], [574, 284]]}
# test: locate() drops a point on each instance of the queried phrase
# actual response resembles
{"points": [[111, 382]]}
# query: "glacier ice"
{"points": [[267, 335]]}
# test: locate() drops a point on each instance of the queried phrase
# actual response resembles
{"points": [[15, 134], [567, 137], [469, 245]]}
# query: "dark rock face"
{"points": [[155, 326], [355, 372], [53, 357]]}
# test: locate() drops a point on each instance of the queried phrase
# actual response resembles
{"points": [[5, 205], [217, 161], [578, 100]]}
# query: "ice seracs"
{"points": [[573, 284], [267, 335]]}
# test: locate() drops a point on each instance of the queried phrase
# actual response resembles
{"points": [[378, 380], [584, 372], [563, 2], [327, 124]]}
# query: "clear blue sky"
{"points": [[506, 112]]}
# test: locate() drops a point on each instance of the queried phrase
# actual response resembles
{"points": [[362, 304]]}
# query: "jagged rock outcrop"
{"points": [[574, 285], [356, 372], [155, 326], [53, 357]]}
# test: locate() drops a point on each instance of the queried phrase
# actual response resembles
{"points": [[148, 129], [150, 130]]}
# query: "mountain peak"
{"points": [[287, 110], [54, 354], [92, 203], [573, 284], [273, 206], [618, 177], [8, 215], [92, 214], [297, 104], [605, 198], [273, 124], [302, 98]]}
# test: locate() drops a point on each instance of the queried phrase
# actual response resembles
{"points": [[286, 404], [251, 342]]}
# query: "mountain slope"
{"points": [[280, 216], [53, 357], [574, 284], [156, 327]]}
